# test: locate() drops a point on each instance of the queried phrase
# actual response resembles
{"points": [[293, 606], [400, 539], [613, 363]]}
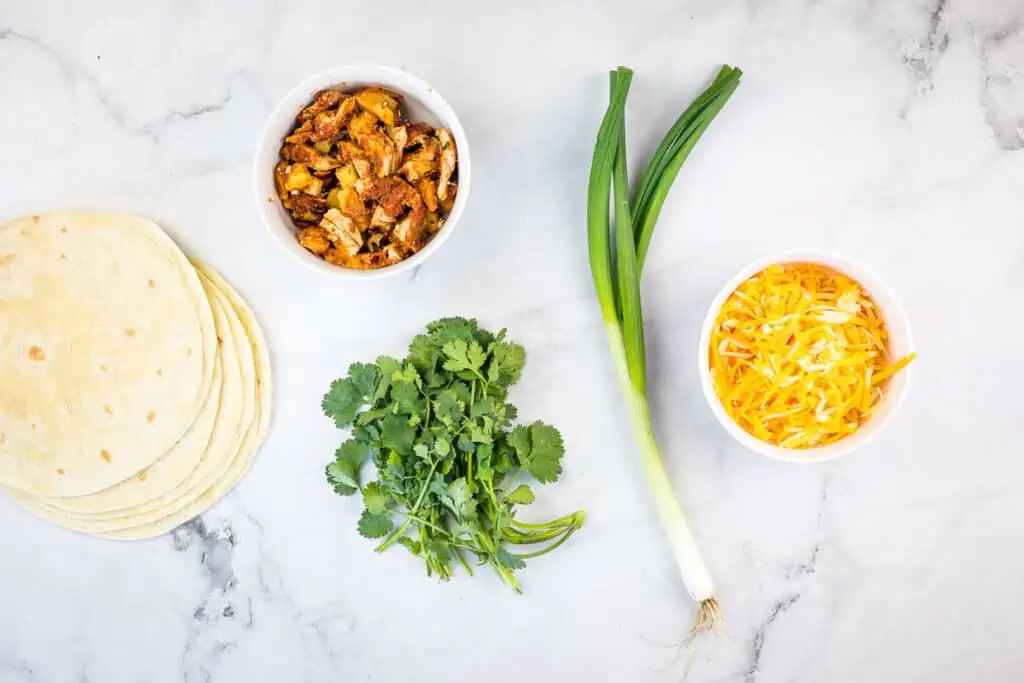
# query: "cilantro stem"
{"points": [[575, 519], [526, 539], [537, 553], [462, 560], [405, 525]]}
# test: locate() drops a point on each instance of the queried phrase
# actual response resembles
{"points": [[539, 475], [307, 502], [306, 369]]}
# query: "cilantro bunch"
{"points": [[448, 459]]}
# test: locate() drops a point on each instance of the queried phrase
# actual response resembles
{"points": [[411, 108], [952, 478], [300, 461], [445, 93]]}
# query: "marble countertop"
{"points": [[892, 132]]}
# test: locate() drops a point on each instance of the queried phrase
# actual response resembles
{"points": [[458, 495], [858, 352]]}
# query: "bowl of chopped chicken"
{"points": [[362, 171]]}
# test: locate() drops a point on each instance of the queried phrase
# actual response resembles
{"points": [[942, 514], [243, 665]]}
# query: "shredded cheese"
{"points": [[799, 355]]}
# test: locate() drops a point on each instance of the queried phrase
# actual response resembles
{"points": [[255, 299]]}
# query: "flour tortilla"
{"points": [[189, 464], [233, 423], [246, 454], [107, 347], [224, 464]]}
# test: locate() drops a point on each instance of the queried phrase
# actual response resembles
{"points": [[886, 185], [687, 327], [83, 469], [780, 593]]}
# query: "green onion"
{"points": [[617, 282]]}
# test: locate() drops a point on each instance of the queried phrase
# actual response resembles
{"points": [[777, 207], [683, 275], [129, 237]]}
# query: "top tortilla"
{"points": [[107, 347]]}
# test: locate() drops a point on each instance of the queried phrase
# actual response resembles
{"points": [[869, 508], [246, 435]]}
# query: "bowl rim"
{"points": [[892, 313], [356, 74]]}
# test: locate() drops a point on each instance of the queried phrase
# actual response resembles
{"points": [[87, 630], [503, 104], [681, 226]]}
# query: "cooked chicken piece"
{"points": [[347, 200], [315, 240], [381, 152], [302, 216], [447, 162], [347, 175], [305, 203], [395, 197], [352, 154], [380, 103], [362, 185], [324, 100], [409, 232], [327, 125], [304, 154], [380, 218], [338, 257], [374, 259], [419, 164], [342, 232], [418, 133], [393, 253], [374, 241], [362, 123], [427, 188], [363, 167], [302, 134], [400, 136]]}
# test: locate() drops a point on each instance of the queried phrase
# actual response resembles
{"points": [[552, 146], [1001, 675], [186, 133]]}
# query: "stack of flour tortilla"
{"points": [[135, 384]]}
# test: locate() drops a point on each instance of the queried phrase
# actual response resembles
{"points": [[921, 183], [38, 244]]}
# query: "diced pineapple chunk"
{"points": [[380, 103], [298, 177]]}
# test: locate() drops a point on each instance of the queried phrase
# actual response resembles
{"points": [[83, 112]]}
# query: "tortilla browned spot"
{"points": [[36, 353], [105, 455]]}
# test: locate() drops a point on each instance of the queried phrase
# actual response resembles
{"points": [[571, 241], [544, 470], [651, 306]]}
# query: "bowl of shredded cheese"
{"points": [[803, 356]]}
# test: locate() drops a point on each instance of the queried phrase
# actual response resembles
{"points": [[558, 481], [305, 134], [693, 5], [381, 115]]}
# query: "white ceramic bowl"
{"points": [[421, 103], [900, 344]]}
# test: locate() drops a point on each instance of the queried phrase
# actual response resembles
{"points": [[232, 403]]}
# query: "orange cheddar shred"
{"points": [[799, 355]]}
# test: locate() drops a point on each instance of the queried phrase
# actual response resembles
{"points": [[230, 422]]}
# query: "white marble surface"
{"points": [[890, 131]]}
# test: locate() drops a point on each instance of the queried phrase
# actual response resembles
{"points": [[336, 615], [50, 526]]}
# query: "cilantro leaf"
{"points": [[545, 462], [342, 402], [375, 498], [480, 433], [519, 440], [448, 408], [439, 548], [506, 366], [459, 500], [364, 377], [341, 478], [508, 560], [343, 472], [388, 365], [352, 452], [462, 356], [375, 526], [539, 450], [395, 433], [520, 495], [406, 397]]}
